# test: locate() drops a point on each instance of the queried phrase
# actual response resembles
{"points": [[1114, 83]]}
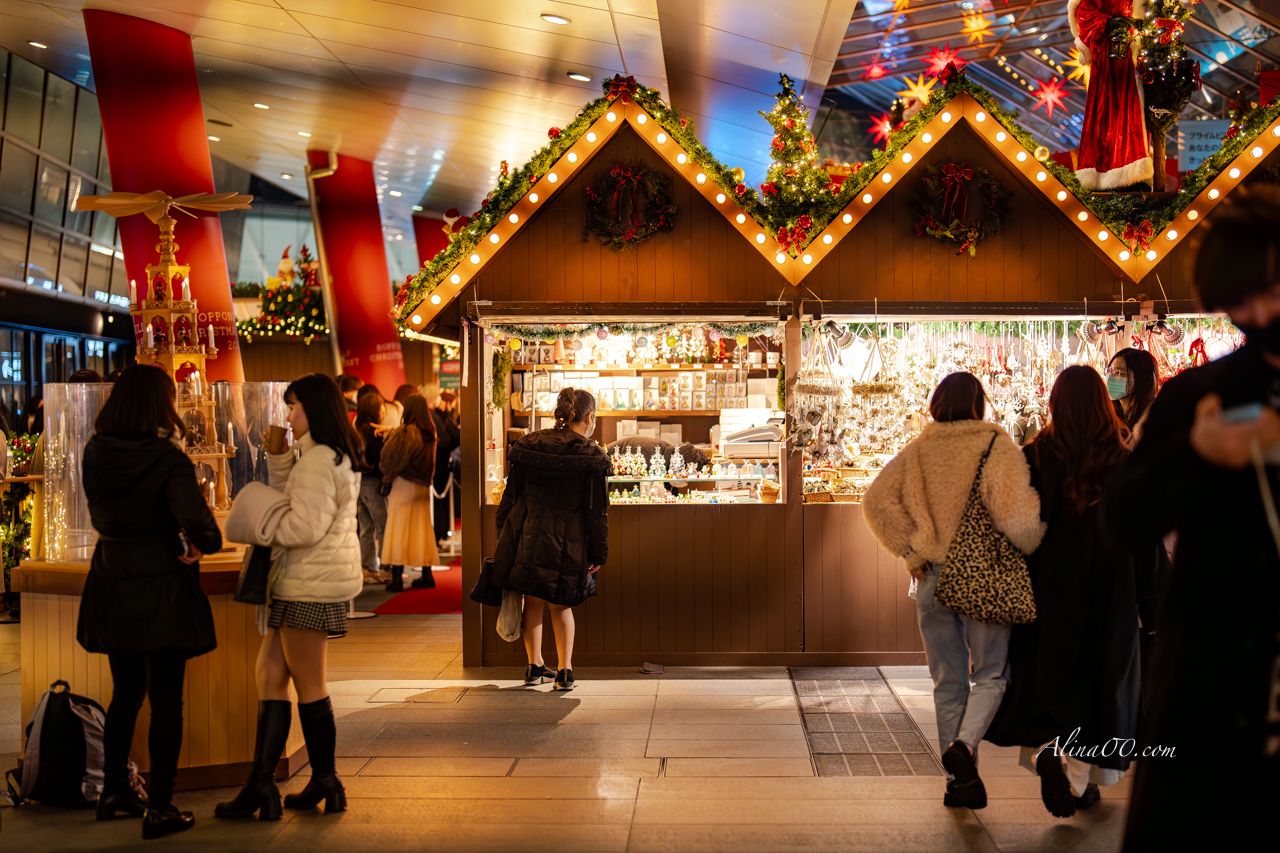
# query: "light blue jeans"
{"points": [[964, 703]]}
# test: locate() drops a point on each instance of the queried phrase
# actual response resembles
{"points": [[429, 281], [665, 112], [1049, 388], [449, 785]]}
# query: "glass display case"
{"points": [[240, 413], [688, 411]]}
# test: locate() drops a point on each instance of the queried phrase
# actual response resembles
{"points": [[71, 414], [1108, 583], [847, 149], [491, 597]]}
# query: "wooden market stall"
{"points": [[792, 582]]}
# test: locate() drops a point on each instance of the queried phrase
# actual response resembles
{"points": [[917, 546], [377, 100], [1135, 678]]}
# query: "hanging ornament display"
{"points": [[742, 340], [515, 344], [713, 335], [602, 333], [490, 339]]}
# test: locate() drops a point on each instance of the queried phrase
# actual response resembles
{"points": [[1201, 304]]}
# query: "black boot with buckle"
{"points": [[321, 733], [260, 793]]}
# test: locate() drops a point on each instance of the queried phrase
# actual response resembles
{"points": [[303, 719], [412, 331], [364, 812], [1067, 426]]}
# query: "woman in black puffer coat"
{"points": [[554, 528], [142, 605]]}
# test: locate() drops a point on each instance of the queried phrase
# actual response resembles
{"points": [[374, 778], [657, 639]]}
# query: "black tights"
{"points": [[136, 677]]}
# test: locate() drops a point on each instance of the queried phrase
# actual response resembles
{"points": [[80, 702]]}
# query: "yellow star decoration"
{"points": [[919, 89], [1079, 68], [901, 5], [977, 26]]}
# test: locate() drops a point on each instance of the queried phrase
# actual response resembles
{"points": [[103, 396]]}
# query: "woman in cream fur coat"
{"points": [[913, 508]]}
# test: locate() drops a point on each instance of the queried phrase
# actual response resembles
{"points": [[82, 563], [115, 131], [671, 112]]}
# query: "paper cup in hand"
{"points": [[276, 439]]}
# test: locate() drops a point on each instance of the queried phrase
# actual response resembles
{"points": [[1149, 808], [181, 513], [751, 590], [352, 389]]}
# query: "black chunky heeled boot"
{"points": [[321, 732], [397, 582], [120, 798], [260, 793]]}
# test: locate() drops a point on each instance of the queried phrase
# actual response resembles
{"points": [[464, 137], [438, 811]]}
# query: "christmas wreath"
{"points": [[630, 205], [941, 200]]}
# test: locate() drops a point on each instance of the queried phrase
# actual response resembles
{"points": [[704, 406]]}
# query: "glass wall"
{"points": [[51, 153]]}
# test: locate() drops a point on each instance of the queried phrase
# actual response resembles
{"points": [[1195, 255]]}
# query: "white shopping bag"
{"points": [[511, 615]]}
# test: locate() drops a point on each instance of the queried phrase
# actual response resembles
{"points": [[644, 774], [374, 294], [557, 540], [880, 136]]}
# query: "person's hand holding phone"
{"points": [[1225, 438]]}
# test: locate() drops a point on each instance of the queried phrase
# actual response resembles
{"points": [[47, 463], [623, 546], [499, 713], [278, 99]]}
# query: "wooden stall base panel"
{"points": [[219, 697]]}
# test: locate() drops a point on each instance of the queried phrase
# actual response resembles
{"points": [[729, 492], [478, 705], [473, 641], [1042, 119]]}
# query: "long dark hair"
{"points": [[958, 397], [369, 409], [1084, 432], [418, 414], [1141, 366], [327, 419], [140, 405]]}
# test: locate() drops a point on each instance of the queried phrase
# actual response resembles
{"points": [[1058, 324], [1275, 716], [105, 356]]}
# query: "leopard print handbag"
{"points": [[985, 576]]}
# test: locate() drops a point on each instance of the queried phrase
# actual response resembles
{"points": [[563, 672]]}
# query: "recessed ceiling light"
{"points": [[46, 47], [418, 208], [579, 76], [262, 106], [304, 133], [395, 193], [554, 19], [286, 176], [214, 139]]}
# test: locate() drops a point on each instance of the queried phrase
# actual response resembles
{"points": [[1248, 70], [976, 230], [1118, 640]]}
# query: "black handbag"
{"points": [[251, 586], [484, 592]]}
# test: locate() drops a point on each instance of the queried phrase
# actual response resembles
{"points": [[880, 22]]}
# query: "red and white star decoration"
{"points": [[1050, 95]]}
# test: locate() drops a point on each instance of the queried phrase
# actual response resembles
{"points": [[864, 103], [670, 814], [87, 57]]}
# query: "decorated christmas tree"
{"points": [[1169, 76], [797, 187]]}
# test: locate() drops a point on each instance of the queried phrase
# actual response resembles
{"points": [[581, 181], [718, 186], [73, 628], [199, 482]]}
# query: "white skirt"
{"points": [[409, 538]]}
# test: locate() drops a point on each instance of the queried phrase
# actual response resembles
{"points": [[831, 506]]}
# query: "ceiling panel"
{"points": [[436, 92]]}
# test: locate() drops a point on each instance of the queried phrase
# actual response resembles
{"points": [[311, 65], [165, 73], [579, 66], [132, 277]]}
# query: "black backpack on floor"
{"points": [[63, 763]]}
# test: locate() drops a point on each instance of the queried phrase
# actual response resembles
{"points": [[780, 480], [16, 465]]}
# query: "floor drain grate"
{"points": [[857, 727]]}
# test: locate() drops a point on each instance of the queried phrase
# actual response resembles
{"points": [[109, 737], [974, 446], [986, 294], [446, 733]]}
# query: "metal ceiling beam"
{"points": [[1228, 69], [1018, 20], [922, 57], [919, 25], [1256, 16], [1271, 60]]}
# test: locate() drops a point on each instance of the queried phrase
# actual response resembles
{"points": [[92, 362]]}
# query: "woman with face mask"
{"points": [[1132, 384], [553, 528]]}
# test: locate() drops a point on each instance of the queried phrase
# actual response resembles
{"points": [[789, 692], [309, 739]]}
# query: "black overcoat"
{"points": [[1076, 665], [138, 597], [553, 521]]}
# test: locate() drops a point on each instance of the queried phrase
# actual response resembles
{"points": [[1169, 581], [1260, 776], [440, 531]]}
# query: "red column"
{"points": [[431, 239], [154, 127], [356, 259]]}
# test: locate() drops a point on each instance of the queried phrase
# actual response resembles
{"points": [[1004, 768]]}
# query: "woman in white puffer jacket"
{"points": [[914, 509], [315, 572]]}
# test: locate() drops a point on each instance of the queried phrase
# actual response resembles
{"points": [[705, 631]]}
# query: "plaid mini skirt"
{"points": [[315, 615]]}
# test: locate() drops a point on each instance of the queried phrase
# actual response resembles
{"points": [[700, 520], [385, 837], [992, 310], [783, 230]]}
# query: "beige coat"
{"points": [[316, 555], [914, 507]]}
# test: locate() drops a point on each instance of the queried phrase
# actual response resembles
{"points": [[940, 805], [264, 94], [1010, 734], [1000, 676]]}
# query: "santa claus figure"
{"points": [[1115, 152]]}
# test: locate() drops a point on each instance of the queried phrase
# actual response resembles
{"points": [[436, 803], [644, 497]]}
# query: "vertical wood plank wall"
{"points": [[220, 698], [702, 259], [1038, 255], [691, 585]]}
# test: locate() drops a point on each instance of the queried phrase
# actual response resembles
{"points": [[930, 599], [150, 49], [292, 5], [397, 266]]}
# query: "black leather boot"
{"points": [[120, 798], [426, 581], [321, 732], [397, 582], [260, 793], [160, 822]]}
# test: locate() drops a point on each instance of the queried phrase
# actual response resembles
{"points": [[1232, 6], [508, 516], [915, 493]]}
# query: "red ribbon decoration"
{"points": [[1169, 28], [628, 180], [956, 200], [1141, 236], [623, 88], [1199, 356], [951, 72]]}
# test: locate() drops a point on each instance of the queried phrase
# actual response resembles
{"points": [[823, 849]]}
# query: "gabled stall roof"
{"points": [[1001, 138], [570, 163]]}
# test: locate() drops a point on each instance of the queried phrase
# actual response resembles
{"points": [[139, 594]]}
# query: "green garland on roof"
{"points": [[1113, 211]]}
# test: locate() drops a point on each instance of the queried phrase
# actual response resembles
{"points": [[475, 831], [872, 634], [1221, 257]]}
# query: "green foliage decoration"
{"points": [[501, 369]]}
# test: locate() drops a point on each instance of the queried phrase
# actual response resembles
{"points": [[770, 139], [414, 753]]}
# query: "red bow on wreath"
{"points": [[1140, 237], [956, 200], [784, 238], [623, 88], [628, 179]]}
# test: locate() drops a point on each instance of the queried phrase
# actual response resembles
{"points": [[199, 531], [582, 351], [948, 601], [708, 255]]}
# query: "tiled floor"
{"points": [[439, 757]]}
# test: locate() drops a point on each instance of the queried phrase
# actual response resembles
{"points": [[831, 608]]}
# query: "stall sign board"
{"points": [[1197, 140], [450, 375]]}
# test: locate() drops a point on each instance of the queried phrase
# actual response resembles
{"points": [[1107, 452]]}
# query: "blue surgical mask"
{"points": [[1117, 387]]}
